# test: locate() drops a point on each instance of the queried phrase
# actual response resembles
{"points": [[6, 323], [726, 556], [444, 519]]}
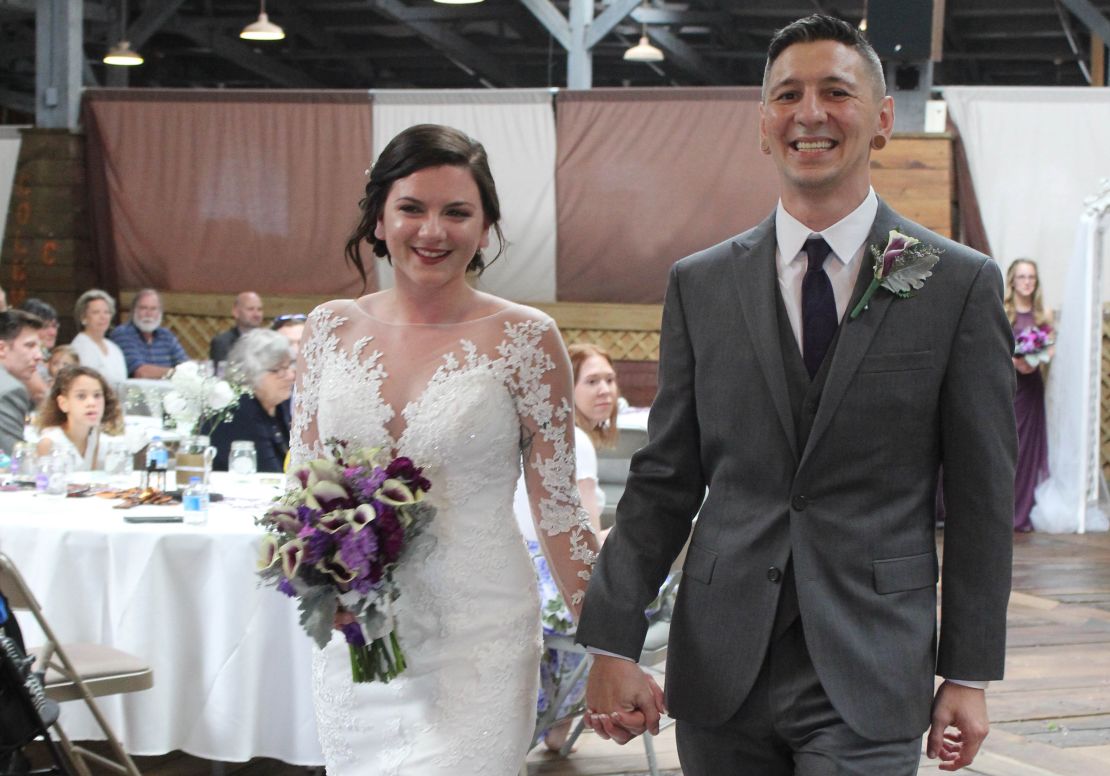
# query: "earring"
{"points": [[764, 146], [878, 142]]}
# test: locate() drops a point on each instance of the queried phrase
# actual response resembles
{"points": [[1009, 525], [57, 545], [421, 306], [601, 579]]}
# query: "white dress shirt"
{"points": [[848, 240]]}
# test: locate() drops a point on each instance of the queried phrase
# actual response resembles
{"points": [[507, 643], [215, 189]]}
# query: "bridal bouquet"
{"points": [[333, 542], [1033, 343], [197, 400]]}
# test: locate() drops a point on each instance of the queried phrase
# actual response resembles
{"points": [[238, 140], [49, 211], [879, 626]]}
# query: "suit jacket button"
{"points": [[774, 574], [799, 503]]}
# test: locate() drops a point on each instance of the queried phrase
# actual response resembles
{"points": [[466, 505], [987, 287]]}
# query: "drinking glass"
{"points": [[242, 460], [118, 461]]}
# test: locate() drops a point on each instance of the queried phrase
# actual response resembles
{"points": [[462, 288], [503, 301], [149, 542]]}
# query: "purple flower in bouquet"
{"points": [[1033, 344], [333, 542]]}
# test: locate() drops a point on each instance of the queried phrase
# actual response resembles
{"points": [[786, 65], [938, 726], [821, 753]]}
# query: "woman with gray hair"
{"points": [[94, 312], [263, 361]]}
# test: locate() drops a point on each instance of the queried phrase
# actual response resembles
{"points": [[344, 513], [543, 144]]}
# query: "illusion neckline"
{"points": [[495, 314]]}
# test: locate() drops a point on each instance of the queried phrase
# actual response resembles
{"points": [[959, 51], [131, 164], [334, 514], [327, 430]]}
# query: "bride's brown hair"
{"points": [[419, 147]]}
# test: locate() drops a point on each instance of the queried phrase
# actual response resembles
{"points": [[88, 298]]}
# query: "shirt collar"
{"points": [[844, 237]]}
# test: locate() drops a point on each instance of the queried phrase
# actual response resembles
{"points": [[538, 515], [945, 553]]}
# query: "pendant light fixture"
{"points": [[121, 53], [262, 28], [643, 51]]}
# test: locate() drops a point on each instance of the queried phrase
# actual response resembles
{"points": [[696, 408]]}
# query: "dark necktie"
{"points": [[818, 307]]}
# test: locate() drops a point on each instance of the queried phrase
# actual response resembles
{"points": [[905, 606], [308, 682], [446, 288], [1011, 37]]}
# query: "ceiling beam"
{"points": [[1091, 16], [552, 20], [604, 23], [152, 18], [469, 57], [684, 55], [18, 101], [306, 27], [94, 12], [241, 54]]}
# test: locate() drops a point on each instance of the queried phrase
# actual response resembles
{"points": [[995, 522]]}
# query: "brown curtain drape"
{"points": [[230, 190], [647, 176], [969, 228]]}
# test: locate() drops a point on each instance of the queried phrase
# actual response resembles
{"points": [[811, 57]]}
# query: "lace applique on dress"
{"points": [[468, 614]]}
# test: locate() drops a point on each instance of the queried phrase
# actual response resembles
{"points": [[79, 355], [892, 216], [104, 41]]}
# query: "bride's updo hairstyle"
{"points": [[419, 147]]}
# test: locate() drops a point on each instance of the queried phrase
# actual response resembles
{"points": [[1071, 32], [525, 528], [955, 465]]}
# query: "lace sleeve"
{"points": [[545, 401], [304, 437]]}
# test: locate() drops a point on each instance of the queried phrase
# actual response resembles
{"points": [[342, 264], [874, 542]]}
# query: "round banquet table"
{"points": [[232, 666]]}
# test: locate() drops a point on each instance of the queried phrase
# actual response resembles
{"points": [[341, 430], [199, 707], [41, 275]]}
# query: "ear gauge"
{"points": [[878, 142]]}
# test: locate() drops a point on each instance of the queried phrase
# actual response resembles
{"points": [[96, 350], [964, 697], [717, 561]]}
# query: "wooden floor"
{"points": [[1051, 716]]}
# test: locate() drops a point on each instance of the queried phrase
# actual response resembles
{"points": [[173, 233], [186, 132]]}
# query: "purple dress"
{"points": [[1032, 434]]}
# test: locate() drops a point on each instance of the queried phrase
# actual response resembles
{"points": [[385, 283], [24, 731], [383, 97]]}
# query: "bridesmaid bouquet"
{"points": [[1033, 343], [333, 542]]}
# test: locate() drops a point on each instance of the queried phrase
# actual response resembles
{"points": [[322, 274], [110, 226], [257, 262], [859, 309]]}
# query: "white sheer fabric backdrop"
{"points": [[9, 153], [1061, 496], [1035, 154], [517, 128]]}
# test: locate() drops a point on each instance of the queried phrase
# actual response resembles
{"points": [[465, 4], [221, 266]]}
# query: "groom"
{"points": [[804, 640]]}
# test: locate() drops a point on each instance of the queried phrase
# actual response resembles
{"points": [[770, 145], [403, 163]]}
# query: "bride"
{"points": [[467, 385]]}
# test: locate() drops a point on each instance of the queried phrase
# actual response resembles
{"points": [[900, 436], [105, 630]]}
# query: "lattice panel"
{"points": [[622, 345], [196, 331]]}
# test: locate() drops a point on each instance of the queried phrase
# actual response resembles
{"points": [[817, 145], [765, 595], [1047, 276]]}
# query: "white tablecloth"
{"points": [[232, 668]]}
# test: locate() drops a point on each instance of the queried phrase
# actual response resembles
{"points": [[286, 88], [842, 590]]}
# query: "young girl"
{"points": [[79, 407]]}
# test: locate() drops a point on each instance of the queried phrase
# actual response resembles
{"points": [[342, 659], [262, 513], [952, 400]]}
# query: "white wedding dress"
{"points": [[462, 400]]}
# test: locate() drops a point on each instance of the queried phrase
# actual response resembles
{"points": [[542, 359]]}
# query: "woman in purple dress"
{"points": [[1026, 311]]}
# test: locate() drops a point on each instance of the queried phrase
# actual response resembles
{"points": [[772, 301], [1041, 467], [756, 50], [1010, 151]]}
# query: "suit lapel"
{"points": [[757, 282], [855, 335]]}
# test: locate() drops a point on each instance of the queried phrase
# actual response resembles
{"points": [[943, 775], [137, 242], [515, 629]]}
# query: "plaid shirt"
{"points": [[162, 350]]}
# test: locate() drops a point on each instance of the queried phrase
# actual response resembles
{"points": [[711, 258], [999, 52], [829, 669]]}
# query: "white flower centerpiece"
{"points": [[197, 403]]}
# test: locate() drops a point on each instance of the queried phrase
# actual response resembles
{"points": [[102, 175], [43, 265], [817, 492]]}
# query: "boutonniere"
{"points": [[901, 268]]}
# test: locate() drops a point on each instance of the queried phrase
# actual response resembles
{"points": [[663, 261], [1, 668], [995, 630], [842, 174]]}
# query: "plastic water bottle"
{"points": [[195, 501], [157, 456]]}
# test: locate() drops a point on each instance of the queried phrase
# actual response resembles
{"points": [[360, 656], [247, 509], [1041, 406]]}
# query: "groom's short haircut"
{"points": [[818, 27]]}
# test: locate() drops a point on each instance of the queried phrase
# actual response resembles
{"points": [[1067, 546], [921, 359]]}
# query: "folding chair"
{"points": [[652, 658], [79, 672]]}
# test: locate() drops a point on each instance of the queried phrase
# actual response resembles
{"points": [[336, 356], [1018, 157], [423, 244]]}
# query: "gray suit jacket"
{"points": [[15, 403], [913, 384]]}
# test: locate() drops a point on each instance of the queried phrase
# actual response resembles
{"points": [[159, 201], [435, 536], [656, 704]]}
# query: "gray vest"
{"points": [[805, 396]]}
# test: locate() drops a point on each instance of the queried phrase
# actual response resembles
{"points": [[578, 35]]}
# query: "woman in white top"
{"points": [[94, 312], [80, 406]]}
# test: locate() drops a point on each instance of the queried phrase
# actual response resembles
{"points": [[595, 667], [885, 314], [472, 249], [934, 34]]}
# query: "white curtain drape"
{"points": [[1071, 410], [517, 128], [10, 139], [1034, 154]]}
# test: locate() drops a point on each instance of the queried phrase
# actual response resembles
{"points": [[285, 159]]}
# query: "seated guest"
{"points": [[20, 355], [81, 405], [3, 301], [263, 361], [61, 357], [247, 312], [290, 326], [39, 383], [93, 312], [149, 349]]}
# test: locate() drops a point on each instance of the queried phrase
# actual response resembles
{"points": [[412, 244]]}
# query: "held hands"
{"points": [[622, 701], [962, 708]]}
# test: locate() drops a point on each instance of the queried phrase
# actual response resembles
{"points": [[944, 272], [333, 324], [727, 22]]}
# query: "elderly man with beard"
{"points": [[149, 349]]}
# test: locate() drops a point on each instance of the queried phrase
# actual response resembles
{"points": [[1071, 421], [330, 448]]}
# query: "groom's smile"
{"points": [[818, 117]]}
